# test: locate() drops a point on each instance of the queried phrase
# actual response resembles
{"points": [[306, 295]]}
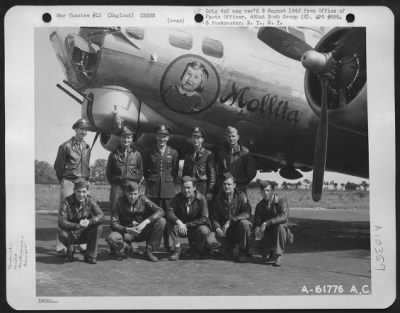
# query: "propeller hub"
{"points": [[314, 61]]}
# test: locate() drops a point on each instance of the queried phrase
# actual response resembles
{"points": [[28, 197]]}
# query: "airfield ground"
{"points": [[332, 246]]}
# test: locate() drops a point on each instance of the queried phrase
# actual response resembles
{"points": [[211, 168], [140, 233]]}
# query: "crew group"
{"points": [[212, 209]]}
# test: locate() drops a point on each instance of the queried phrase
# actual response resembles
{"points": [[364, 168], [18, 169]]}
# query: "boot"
{"points": [[89, 260], [175, 254], [69, 256], [149, 254]]}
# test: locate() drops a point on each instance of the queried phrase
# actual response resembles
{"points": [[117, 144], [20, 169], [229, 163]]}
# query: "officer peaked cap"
{"points": [[197, 131], [81, 123], [163, 130]]}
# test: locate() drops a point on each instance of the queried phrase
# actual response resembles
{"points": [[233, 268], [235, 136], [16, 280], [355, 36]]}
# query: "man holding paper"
{"points": [[79, 221]]}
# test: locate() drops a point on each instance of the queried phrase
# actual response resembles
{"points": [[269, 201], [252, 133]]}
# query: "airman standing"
{"points": [[199, 163], [124, 165], [161, 166], [236, 159]]}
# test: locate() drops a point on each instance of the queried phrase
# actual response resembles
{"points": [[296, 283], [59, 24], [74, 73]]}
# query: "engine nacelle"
{"points": [[109, 142], [107, 102], [347, 92]]}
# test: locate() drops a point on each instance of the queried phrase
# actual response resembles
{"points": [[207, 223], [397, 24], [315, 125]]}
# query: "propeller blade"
{"points": [[283, 42], [320, 148], [94, 140]]}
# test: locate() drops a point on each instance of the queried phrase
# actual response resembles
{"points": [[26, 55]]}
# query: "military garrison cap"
{"points": [[228, 175], [197, 131], [266, 183], [186, 179], [163, 130], [131, 186], [81, 183], [229, 130], [81, 123]]}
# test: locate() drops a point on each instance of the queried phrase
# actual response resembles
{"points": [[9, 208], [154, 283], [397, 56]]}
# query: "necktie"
{"points": [[187, 206]]}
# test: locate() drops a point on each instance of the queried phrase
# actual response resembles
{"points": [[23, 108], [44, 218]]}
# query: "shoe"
{"points": [[69, 255], [235, 252], [149, 255], [242, 258], [278, 261], [175, 254], [62, 252], [90, 260], [270, 258]]}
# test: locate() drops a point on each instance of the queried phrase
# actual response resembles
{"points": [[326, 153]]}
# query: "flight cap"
{"points": [[81, 123], [228, 175], [230, 130]]}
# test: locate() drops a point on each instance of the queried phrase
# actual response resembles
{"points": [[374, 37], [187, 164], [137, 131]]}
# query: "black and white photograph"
{"points": [[209, 163]]}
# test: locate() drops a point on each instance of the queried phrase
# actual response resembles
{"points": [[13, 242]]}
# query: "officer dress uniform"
{"points": [[72, 163], [201, 166], [161, 171]]}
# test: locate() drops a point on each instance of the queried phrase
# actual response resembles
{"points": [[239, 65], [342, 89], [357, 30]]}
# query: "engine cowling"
{"points": [[109, 142], [108, 102], [347, 92]]}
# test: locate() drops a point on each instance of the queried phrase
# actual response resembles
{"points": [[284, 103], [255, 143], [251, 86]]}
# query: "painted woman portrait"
{"points": [[186, 96]]}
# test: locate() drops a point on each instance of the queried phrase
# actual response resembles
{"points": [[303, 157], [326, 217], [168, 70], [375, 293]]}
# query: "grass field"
{"points": [[47, 198]]}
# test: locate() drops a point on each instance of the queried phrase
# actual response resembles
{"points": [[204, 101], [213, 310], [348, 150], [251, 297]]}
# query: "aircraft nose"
{"points": [[76, 56]]}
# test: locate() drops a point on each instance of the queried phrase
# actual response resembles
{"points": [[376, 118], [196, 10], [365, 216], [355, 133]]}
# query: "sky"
{"points": [[55, 112]]}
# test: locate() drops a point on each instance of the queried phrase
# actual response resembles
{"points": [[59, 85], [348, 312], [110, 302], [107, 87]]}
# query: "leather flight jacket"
{"points": [[201, 167], [72, 160], [121, 168]]}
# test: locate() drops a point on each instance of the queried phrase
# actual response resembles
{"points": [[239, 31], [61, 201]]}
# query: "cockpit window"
{"points": [[181, 39], [135, 32], [83, 54], [212, 47]]}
